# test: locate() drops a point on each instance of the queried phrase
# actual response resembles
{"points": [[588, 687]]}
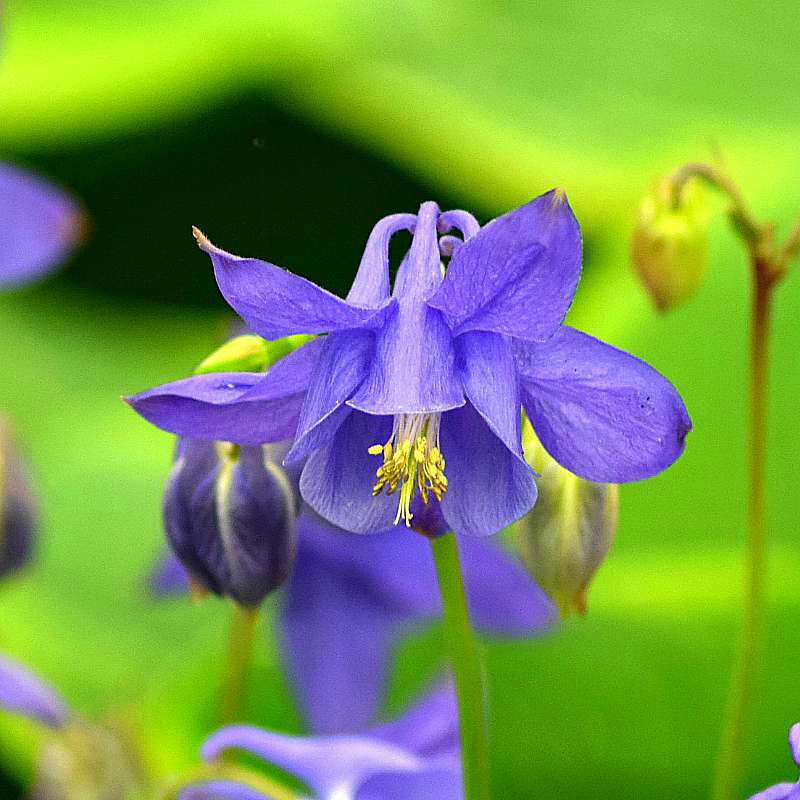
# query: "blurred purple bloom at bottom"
{"points": [[21, 692], [785, 791], [350, 598], [415, 757]]}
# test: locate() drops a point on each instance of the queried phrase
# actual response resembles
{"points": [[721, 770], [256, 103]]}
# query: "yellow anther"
{"points": [[413, 461]]}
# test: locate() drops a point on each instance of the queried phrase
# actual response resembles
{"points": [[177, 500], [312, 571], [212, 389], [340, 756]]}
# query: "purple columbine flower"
{"points": [[414, 396], [415, 757], [350, 599], [39, 226], [17, 508], [229, 514], [785, 791], [23, 693]]}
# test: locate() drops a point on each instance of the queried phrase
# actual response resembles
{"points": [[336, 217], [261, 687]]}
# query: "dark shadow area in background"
{"points": [[255, 178]]}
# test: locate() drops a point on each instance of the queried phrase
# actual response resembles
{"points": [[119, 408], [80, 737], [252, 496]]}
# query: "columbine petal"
{"points": [[343, 363], [168, 576], [274, 302], [23, 693], [326, 764], [338, 477], [220, 790], [502, 597], [39, 225], [429, 728], [475, 456], [371, 285], [487, 369], [413, 370], [518, 274], [431, 784], [794, 742], [781, 791], [599, 412], [337, 640]]}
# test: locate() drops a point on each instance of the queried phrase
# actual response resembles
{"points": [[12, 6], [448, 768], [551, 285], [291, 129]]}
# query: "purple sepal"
{"points": [[23, 693], [601, 413]]}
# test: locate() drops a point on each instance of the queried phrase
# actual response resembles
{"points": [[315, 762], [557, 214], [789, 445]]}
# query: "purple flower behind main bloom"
{"points": [[349, 599], [427, 382], [39, 226], [415, 757], [785, 791]]}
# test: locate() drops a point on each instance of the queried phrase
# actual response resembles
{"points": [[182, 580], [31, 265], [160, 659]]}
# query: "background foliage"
{"points": [[284, 130]]}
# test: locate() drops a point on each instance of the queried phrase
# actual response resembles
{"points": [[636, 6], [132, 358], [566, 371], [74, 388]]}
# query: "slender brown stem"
{"points": [[790, 249], [733, 751], [240, 647]]}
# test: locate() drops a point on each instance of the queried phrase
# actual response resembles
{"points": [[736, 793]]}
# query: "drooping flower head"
{"points": [[415, 757], [414, 396], [785, 791], [350, 599], [39, 226]]}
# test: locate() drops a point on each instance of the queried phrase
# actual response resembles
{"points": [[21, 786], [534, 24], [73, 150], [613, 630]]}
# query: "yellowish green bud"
{"points": [[249, 353], [669, 248], [242, 354], [565, 538]]}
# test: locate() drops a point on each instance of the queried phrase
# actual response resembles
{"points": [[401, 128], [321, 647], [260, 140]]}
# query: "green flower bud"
{"points": [[669, 248], [242, 354], [249, 353], [566, 536]]}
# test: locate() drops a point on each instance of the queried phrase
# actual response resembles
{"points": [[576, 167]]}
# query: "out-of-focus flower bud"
{"points": [[86, 761], [17, 510], [565, 537], [669, 247], [230, 516]]}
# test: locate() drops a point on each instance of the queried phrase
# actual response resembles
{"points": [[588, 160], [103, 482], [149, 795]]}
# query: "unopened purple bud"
{"points": [[230, 516], [17, 510]]}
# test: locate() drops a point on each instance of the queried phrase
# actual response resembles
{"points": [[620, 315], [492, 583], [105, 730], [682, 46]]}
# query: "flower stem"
{"points": [[205, 773], [463, 648], [733, 751], [240, 646]]}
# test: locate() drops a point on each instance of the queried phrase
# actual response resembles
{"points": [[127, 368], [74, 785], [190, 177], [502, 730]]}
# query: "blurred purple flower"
{"points": [[785, 791], [17, 507], [351, 598], [229, 514], [39, 226], [416, 757], [432, 378], [23, 693]]}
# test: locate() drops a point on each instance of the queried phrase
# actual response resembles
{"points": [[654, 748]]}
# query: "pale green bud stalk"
{"points": [[670, 242], [565, 538]]}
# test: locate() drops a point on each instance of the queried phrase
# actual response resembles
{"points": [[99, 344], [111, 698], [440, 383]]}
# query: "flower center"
{"points": [[411, 460]]}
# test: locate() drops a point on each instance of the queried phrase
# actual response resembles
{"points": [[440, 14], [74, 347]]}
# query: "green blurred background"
{"points": [[284, 130]]}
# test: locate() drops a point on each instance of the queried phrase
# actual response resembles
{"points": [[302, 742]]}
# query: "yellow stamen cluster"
{"points": [[411, 460]]}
